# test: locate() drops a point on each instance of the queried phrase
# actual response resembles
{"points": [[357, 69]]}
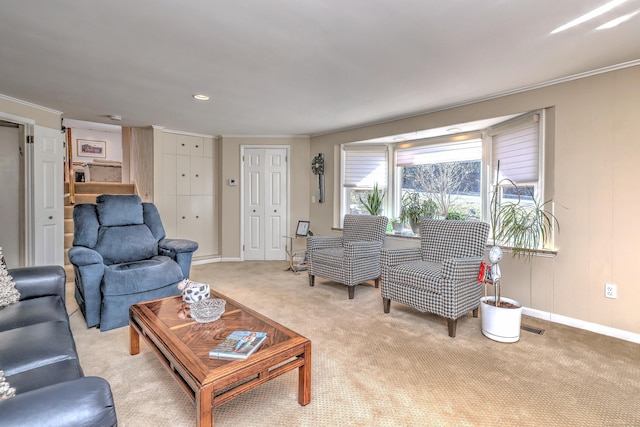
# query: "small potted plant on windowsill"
{"points": [[397, 225], [523, 228], [414, 209], [373, 204]]}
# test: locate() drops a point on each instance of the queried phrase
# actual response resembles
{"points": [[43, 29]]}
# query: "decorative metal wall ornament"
{"points": [[317, 167]]}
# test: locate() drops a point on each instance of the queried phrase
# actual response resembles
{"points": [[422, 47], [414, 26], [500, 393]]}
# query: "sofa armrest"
{"points": [[33, 282], [85, 401], [361, 249], [178, 245], [81, 256], [461, 270], [323, 242]]}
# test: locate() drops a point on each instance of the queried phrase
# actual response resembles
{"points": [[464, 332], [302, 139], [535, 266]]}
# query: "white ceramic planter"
{"points": [[500, 324]]}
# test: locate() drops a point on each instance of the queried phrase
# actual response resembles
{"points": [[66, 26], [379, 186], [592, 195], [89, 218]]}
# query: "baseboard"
{"points": [[205, 261], [231, 259], [581, 324]]}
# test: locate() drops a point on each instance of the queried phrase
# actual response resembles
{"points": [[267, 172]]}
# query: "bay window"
{"points": [[455, 172]]}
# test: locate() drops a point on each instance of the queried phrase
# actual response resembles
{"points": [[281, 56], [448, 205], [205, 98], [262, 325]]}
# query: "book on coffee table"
{"points": [[238, 345]]}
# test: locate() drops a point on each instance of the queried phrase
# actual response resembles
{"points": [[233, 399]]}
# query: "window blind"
{"points": [[517, 147], [459, 151], [365, 168]]}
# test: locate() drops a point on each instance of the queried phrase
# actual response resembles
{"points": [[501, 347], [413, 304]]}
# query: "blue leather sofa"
{"points": [[121, 257], [39, 359]]}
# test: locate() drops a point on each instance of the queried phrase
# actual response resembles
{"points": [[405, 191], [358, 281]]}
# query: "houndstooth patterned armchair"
{"points": [[441, 276], [353, 258]]}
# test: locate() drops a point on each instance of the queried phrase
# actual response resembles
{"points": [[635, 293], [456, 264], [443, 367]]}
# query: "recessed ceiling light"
{"points": [[588, 16], [453, 130], [115, 117], [201, 97]]}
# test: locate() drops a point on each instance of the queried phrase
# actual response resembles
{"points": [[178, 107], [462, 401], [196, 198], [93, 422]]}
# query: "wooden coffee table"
{"points": [[183, 347]]}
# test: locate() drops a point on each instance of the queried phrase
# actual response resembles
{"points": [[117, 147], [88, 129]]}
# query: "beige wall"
{"points": [[595, 180], [230, 196], [42, 116]]}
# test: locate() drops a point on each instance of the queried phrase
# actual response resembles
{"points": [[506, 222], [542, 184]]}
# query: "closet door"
{"points": [[265, 203]]}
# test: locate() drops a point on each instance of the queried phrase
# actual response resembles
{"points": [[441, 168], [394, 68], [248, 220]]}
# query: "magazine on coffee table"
{"points": [[238, 345]]}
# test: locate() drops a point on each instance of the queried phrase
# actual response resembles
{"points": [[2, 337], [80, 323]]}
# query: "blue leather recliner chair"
{"points": [[121, 257]]}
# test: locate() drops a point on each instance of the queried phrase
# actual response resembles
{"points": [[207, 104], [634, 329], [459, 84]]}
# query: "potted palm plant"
{"points": [[523, 227], [414, 209], [373, 204]]}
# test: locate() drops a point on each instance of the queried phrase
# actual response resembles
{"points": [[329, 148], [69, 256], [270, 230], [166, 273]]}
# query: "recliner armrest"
{"points": [[85, 401], [79, 256], [45, 280], [178, 245]]}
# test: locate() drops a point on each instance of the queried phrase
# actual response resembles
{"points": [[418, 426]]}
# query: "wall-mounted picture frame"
{"points": [[89, 148], [303, 228]]}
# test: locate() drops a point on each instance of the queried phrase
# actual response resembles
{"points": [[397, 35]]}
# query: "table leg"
{"points": [[304, 377], [134, 341], [204, 407]]}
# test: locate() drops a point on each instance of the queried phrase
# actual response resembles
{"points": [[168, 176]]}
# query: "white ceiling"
{"points": [[293, 67]]}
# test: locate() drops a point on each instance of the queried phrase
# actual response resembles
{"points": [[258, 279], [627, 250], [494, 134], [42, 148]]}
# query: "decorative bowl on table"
{"points": [[207, 310]]}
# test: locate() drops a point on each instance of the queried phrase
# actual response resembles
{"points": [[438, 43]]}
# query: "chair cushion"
{"points": [[126, 244], [34, 346], [420, 274], [32, 311], [85, 225], [42, 376], [119, 209], [140, 276], [329, 256]]}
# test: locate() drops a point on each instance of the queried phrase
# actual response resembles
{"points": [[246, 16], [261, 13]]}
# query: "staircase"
{"points": [[86, 192]]}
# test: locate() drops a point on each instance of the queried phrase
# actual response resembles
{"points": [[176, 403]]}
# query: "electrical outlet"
{"points": [[610, 290]]}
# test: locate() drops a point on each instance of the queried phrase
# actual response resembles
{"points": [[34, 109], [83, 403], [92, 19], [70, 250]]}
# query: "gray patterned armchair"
{"points": [[441, 276], [353, 258]]}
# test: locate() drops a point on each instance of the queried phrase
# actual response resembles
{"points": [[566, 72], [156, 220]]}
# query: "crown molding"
{"points": [[29, 104]]}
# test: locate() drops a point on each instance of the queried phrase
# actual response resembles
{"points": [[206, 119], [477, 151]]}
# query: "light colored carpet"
{"points": [[376, 369]]}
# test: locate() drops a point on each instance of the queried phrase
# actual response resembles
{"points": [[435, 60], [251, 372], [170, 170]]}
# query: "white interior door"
{"points": [[47, 203], [265, 203]]}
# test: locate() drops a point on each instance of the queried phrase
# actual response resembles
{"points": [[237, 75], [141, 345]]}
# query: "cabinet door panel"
{"points": [[208, 176], [209, 147], [183, 145], [197, 175], [183, 178], [196, 147], [169, 143], [169, 172]]}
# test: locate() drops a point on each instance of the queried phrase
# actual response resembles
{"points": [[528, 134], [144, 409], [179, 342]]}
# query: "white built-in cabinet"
{"points": [[186, 198]]}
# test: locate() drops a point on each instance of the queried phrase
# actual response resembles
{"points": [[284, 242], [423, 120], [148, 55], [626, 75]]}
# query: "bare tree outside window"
{"points": [[454, 186]]}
